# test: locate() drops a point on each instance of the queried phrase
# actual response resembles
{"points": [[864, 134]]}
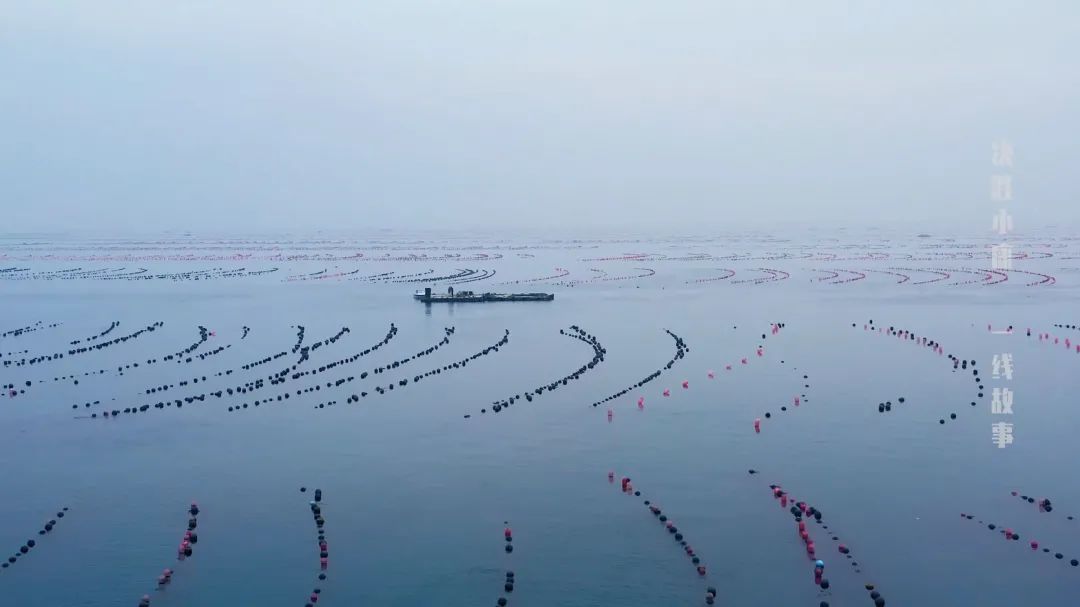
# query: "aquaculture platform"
{"points": [[426, 296]]}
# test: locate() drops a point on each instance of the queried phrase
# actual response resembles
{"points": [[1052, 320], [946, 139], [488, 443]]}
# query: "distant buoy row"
{"points": [[37, 326], [559, 273], [140, 274], [627, 487], [31, 544], [680, 351], [183, 552], [324, 550], [251, 386], [803, 512], [577, 333], [83, 349], [1009, 534]]}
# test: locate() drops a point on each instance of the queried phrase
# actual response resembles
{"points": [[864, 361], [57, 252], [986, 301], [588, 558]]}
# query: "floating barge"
{"points": [[426, 296]]}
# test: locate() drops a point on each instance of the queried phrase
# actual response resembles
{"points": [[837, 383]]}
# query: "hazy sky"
{"points": [[244, 114]]}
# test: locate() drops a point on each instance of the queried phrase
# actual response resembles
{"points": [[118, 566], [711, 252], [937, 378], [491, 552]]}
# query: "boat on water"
{"points": [[426, 296]]}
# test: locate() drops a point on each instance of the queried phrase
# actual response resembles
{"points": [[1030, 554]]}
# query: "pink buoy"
{"points": [[796, 401], [685, 385], [727, 367], [667, 392], [744, 361], [711, 374], [760, 352], [783, 501], [1034, 545], [323, 562], [609, 414], [757, 425]]}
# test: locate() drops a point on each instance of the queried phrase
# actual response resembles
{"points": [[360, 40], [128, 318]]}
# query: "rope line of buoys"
{"points": [[680, 351], [448, 331], [480, 275], [95, 337], [1009, 534], [460, 364], [277, 378], [123, 368], [729, 274], [1046, 278], [627, 487], [36, 326], [903, 277], [1048, 339], [300, 333], [798, 399], [460, 273], [941, 275], [85, 349], [577, 333], [324, 550], [934, 346], [183, 552], [14, 353], [508, 548], [1042, 503], [305, 351], [802, 512], [30, 544], [560, 273], [405, 381], [774, 275]]}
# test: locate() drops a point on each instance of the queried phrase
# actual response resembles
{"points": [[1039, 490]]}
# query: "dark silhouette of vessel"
{"points": [[426, 296]]}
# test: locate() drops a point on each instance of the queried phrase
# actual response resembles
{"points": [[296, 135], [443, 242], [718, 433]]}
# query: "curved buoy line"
{"points": [[958, 364], [903, 277], [729, 274], [696, 561], [1011, 535], [31, 544], [680, 351], [577, 333], [316, 506], [803, 512], [37, 326], [97, 336], [183, 552]]}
